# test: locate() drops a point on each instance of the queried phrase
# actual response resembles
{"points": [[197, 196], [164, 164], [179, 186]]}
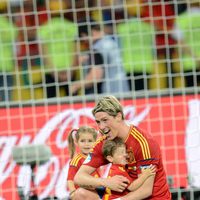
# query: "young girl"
{"points": [[115, 152], [83, 138]]}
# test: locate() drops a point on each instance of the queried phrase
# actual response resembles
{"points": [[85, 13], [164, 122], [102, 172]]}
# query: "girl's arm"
{"points": [[71, 188]]}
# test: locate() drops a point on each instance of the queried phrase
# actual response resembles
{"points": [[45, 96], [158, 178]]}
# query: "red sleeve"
{"points": [[142, 149], [71, 172], [154, 155], [74, 166], [95, 158], [145, 151]]}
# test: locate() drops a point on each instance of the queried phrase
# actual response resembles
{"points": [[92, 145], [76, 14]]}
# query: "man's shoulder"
{"points": [[136, 130], [139, 134], [99, 142]]}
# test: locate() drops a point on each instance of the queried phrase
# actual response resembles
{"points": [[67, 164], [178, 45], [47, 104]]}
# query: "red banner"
{"points": [[166, 118]]}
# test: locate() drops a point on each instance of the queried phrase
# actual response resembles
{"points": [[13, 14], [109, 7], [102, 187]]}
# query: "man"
{"points": [[142, 149], [103, 71]]}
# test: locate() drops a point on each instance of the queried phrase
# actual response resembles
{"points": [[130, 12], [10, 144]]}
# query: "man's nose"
{"points": [[101, 125]]}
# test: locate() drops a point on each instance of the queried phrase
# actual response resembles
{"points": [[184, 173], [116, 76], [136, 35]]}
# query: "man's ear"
{"points": [[119, 116], [109, 158]]}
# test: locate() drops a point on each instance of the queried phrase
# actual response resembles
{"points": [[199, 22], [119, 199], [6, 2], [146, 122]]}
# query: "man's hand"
{"points": [[74, 88], [117, 183]]}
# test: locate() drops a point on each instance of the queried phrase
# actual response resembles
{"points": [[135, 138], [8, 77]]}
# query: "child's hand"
{"points": [[149, 171]]}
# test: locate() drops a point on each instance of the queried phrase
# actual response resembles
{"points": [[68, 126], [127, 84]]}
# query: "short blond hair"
{"points": [[110, 105]]}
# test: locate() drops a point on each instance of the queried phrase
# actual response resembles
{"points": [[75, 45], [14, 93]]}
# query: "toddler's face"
{"points": [[120, 156]]}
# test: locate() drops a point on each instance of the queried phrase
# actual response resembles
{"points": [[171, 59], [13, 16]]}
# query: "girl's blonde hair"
{"points": [[75, 135], [110, 105]]}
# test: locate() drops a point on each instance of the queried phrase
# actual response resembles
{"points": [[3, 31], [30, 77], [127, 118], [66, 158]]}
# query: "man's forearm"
{"points": [[90, 182]]}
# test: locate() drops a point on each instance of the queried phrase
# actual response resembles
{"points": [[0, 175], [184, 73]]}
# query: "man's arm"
{"points": [[84, 179], [95, 74], [143, 192]]}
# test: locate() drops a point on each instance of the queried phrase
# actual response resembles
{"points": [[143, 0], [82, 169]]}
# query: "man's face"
{"points": [[108, 125]]}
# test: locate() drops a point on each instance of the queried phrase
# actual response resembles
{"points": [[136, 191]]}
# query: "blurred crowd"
{"points": [[56, 48]]}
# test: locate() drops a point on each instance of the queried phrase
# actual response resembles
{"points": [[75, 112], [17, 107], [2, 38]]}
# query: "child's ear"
{"points": [[109, 158], [75, 142]]}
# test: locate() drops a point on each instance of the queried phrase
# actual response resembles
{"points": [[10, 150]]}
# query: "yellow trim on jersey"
{"points": [[98, 141], [106, 196], [76, 159], [143, 143]]}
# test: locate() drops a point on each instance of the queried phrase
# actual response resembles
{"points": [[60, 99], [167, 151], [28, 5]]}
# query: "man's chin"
{"points": [[109, 137]]}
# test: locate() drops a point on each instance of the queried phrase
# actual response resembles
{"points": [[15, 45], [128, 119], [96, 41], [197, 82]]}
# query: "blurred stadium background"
{"points": [[159, 42]]}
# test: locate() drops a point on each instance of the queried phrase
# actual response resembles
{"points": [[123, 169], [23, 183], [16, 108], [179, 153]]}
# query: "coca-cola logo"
{"points": [[51, 177]]}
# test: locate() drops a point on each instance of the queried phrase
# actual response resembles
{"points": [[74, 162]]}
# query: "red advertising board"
{"points": [[166, 118]]}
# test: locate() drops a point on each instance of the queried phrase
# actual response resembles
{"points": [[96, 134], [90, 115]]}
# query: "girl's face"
{"points": [[85, 142], [120, 156]]}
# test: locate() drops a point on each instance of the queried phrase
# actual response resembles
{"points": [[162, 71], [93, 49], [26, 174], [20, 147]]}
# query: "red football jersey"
{"points": [[74, 166], [116, 170], [143, 150]]}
